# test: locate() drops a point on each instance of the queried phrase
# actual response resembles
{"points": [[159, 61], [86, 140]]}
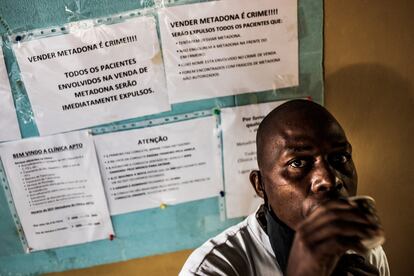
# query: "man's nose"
{"points": [[324, 178]]}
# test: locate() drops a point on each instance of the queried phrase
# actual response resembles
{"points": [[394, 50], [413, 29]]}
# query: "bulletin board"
{"points": [[153, 231]]}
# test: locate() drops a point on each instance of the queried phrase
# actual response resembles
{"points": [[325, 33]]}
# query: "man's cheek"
{"points": [[351, 187], [290, 213], [350, 181], [292, 176], [348, 170], [289, 201]]}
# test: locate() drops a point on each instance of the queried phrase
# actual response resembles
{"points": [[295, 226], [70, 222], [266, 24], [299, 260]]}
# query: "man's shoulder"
{"points": [[217, 251], [229, 253]]}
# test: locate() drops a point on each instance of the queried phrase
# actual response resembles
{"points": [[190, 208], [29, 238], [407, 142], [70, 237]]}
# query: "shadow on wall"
{"points": [[375, 105]]}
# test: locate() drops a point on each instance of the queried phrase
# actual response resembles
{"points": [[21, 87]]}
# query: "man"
{"points": [[307, 226]]}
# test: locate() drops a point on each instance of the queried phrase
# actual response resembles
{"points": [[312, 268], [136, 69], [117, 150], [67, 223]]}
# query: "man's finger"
{"points": [[355, 265], [343, 230]]}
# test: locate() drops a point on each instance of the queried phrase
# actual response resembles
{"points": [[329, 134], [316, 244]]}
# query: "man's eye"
{"points": [[341, 158], [298, 163]]}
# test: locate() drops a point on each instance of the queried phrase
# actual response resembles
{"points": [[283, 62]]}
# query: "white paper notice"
{"points": [[57, 190], [230, 47], [166, 164], [94, 76], [8, 119], [239, 126]]}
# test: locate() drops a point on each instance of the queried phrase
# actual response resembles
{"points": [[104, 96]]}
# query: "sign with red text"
{"points": [[222, 48], [57, 190], [94, 76]]}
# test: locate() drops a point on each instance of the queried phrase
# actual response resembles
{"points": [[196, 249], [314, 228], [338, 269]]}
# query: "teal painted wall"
{"points": [[153, 231]]}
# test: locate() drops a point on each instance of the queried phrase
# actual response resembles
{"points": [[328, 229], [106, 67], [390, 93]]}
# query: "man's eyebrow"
{"points": [[304, 147], [297, 148], [342, 144]]}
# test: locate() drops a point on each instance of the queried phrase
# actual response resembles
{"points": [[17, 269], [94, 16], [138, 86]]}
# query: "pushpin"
{"points": [[216, 111], [111, 237], [222, 193], [163, 206]]}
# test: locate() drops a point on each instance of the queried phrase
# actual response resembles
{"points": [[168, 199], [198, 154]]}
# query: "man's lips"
{"points": [[309, 206], [308, 209]]}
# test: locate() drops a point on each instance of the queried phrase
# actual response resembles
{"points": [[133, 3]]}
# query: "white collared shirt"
{"points": [[244, 249]]}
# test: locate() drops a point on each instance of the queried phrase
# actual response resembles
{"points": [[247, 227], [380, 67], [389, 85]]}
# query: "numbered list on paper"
{"points": [[57, 190], [166, 164]]}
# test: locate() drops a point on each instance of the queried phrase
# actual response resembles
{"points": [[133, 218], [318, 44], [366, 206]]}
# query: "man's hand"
{"points": [[326, 234], [353, 264]]}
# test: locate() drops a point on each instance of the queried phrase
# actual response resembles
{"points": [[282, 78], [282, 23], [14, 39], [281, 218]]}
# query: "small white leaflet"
{"points": [[239, 126]]}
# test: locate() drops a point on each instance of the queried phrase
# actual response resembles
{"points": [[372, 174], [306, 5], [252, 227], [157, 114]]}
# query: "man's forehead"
{"points": [[301, 139], [297, 125], [291, 134]]}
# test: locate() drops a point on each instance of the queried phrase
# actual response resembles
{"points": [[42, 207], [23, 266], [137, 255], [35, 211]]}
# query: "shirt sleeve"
{"points": [[213, 263]]}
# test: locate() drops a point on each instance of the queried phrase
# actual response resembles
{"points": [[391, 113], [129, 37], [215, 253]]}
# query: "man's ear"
{"points": [[256, 181]]}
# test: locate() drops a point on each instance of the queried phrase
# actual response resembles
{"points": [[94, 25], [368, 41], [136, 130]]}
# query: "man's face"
{"points": [[305, 164]]}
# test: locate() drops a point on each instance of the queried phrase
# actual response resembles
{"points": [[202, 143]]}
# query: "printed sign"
{"points": [[8, 119], [94, 76], [239, 126], [166, 164], [57, 190], [222, 48]]}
